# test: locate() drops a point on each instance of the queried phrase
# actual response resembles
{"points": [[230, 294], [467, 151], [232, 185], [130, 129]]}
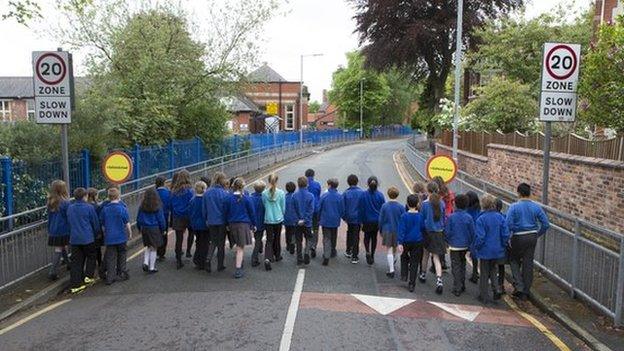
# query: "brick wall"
{"points": [[590, 188]]}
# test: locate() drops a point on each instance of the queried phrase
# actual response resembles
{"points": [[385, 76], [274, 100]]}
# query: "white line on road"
{"points": [[32, 316], [289, 325]]}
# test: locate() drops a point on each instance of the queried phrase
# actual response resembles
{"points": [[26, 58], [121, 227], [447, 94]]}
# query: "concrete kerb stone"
{"points": [[57, 287]]}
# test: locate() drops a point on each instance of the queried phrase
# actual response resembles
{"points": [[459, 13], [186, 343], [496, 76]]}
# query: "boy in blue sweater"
{"points": [[213, 211], [114, 218], [304, 210], [526, 221], [490, 241], [165, 198], [351, 199], [460, 232], [199, 227], [410, 234], [314, 187], [389, 216], [331, 211], [370, 204], [256, 199], [83, 225], [290, 217]]}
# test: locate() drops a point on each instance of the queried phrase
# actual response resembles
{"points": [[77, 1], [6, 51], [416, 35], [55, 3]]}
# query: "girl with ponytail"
{"points": [[241, 218], [369, 208], [435, 242], [274, 201]]}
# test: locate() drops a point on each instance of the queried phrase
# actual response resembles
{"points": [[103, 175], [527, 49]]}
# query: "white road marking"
{"points": [[289, 325], [469, 313], [383, 305], [32, 316]]}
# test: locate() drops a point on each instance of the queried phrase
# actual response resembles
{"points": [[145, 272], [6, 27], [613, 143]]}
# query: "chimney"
{"points": [[325, 100]]}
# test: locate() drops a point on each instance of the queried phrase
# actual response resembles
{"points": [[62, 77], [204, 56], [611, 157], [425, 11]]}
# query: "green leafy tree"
{"points": [[314, 106], [504, 105]]}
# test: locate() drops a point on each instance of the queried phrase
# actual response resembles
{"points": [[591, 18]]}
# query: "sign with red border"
{"points": [[442, 166], [117, 167], [52, 85], [560, 73]]}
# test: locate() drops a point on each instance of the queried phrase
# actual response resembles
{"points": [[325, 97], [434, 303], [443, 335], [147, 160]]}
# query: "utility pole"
{"points": [[301, 97], [458, 70], [362, 108]]}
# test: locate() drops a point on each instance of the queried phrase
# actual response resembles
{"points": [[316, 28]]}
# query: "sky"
{"points": [[302, 27]]}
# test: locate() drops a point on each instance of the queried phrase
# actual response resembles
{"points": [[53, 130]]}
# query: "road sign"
{"points": [[52, 82], [117, 167], [560, 72], [442, 166], [271, 108]]}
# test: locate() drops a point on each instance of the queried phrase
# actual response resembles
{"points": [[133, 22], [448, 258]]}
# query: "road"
{"points": [[340, 307]]}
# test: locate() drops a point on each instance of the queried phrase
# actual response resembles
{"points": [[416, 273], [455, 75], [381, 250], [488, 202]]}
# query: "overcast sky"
{"points": [[308, 26]]}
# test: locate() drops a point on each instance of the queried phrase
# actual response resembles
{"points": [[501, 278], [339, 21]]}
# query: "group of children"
{"points": [[432, 223]]}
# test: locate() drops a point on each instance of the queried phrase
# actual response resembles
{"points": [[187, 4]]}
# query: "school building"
{"points": [[326, 117], [607, 11], [17, 102]]}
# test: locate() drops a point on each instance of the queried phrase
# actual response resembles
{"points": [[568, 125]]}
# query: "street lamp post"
{"points": [[458, 54], [362, 108], [301, 98]]}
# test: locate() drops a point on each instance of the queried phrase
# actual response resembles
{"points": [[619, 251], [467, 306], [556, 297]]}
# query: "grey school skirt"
{"points": [[240, 234], [435, 242], [388, 239], [152, 236]]}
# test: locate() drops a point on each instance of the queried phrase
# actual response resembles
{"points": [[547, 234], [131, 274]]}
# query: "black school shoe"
{"points": [[152, 271], [456, 292], [369, 259], [411, 287], [255, 263], [179, 263], [278, 258], [291, 249], [355, 260], [145, 268], [306, 259], [188, 254], [267, 265], [325, 261], [474, 279], [312, 253], [390, 275], [334, 253], [403, 278]]}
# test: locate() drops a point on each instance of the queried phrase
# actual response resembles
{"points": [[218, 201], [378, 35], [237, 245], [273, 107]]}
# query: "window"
{"points": [[30, 109], [5, 110], [289, 122]]}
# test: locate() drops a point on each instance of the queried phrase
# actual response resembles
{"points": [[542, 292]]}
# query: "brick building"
{"points": [[326, 117], [245, 113], [607, 11], [16, 99]]}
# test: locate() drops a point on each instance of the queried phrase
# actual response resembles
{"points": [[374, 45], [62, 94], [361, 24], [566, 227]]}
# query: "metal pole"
{"points": [[575, 254], [458, 54], [361, 108], [65, 148], [619, 298], [301, 104], [547, 137]]}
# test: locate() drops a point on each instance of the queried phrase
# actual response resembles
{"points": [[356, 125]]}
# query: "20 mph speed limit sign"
{"points": [[52, 81], [560, 73]]}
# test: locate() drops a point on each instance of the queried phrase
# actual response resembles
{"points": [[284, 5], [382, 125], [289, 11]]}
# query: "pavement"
{"points": [[338, 307]]}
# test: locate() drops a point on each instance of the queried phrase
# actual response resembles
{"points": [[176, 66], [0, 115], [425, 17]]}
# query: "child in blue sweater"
{"points": [[304, 210], [165, 198], [116, 222], [58, 228], [331, 211], [474, 210], [290, 217], [351, 199], [151, 223], [241, 219], [214, 214], [314, 188], [181, 196], [410, 235], [369, 207], [198, 226], [492, 236], [389, 217], [83, 225], [460, 232], [432, 211], [256, 199]]}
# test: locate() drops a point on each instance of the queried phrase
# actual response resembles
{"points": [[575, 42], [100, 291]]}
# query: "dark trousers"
{"points": [[258, 234], [272, 235], [370, 242], [301, 233], [217, 242], [458, 268], [82, 263], [521, 261], [488, 279], [475, 267], [291, 230], [178, 243], [162, 250], [115, 258], [353, 239], [316, 217], [410, 261], [501, 276], [201, 248], [277, 241], [329, 235], [189, 240]]}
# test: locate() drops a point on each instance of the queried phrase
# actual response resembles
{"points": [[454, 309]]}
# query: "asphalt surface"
{"points": [[194, 310]]}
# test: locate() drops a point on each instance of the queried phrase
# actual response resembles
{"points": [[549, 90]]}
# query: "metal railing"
{"points": [[24, 251], [585, 259]]}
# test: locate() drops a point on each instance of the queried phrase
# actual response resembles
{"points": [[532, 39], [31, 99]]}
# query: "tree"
{"points": [[345, 92], [504, 105], [419, 36], [314, 106], [602, 79]]}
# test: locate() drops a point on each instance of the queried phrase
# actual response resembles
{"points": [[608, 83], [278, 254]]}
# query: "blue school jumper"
{"points": [[180, 202], [411, 228], [369, 206], [57, 220], [431, 225], [314, 187], [351, 201], [389, 216], [331, 209], [197, 222], [460, 230], [526, 216], [290, 215], [214, 205], [114, 218], [304, 206], [151, 220], [258, 205], [165, 199], [491, 236], [83, 223], [240, 209]]}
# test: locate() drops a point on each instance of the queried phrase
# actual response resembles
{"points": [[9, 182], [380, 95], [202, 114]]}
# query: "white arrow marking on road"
{"points": [[383, 305], [459, 310]]}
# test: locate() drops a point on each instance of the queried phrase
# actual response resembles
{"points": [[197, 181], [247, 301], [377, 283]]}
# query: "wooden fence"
{"points": [[476, 142]]}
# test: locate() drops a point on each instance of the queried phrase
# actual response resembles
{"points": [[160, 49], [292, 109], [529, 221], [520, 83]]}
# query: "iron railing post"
{"points": [[575, 257], [86, 168], [619, 298], [7, 184], [136, 171]]}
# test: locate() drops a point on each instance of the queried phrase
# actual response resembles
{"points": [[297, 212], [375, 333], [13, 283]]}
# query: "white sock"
{"points": [[391, 262], [152, 259], [146, 256]]}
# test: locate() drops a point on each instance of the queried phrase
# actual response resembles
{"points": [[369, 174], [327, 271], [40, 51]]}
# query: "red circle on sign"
{"points": [[63, 67], [574, 62]]}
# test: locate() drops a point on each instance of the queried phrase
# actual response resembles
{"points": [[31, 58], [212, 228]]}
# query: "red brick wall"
{"points": [[260, 93], [18, 110], [590, 188]]}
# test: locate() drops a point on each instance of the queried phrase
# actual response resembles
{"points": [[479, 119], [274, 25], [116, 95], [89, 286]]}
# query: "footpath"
{"points": [[595, 329]]}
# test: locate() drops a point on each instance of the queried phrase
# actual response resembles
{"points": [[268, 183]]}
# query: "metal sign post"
{"points": [[560, 72], [53, 83]]}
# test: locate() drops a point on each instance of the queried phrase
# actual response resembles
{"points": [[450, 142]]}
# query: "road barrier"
{"points": [[585, 259], [24, 251]]}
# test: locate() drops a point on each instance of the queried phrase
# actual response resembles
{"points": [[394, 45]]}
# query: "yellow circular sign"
{"points": [[117, 167], [442, 166]]}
